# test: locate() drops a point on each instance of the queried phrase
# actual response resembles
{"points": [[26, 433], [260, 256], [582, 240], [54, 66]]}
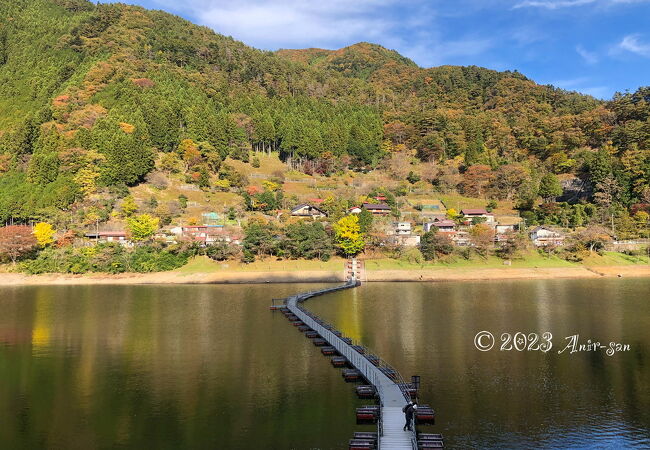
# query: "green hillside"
{"points": [[93, 98], [360, 60]]}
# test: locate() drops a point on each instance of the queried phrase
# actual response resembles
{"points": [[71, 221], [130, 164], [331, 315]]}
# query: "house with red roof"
{"points": [[444, 226]]}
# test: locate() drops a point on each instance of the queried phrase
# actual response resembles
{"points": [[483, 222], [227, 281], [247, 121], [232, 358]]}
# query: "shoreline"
{"points": [[324, 276]]}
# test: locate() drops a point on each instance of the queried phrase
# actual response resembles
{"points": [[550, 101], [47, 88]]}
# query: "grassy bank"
{"points": [[203, 264], [204, 270], [530, 260]]}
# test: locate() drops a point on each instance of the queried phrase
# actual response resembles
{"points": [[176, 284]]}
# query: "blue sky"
{"points": [[593, 46]]}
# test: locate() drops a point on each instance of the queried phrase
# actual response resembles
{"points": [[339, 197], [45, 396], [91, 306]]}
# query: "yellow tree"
{"points": [[86, 178], [142, 227], [452, 214], [190, 152], [270, 185], [44, 233], [348, 235], [129, 206]]}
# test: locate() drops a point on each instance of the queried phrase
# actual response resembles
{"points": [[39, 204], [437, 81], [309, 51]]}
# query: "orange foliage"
{"points": [[127, 127], [61, 101], [143, 82], [86, 116], [66, 240], [4, 162]]}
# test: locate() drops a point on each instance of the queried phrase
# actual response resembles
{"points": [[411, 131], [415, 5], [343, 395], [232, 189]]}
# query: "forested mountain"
{"points": [[91, 96], [361, 60]]}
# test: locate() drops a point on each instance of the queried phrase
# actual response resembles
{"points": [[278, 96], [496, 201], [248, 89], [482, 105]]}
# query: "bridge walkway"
{"points": [[391, 394]]}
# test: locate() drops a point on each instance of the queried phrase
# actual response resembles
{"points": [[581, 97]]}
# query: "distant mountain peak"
{"points": [[358, 60]]}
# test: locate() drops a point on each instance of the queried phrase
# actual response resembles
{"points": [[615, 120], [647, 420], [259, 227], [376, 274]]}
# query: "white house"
{"points": [[505, 229], [403, 228], [543, 236]]}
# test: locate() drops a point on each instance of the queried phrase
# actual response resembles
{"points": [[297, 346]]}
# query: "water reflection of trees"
{"points": [[200, 365], [428, 329], [167, 365]]}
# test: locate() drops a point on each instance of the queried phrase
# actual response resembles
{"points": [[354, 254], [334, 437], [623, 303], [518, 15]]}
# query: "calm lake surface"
{"points": [[194, 367]]}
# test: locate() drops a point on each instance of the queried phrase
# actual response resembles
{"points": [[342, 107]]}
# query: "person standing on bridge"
{"points": [[409, 411]]}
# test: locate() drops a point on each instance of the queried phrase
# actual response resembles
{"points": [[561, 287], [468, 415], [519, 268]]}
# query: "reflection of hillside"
{"points": [[428, 329], [208, 362], [347, 315], [210, 366]]}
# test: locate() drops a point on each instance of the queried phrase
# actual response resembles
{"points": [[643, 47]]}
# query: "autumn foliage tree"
{"points": [[142, 227], [16, 241], [476, 180], [482, 237], [348, 235], [593, 237], [435, 244], [44, 233]]}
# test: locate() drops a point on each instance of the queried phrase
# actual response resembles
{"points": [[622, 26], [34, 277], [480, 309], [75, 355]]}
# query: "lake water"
{"points": [[91, 367]]}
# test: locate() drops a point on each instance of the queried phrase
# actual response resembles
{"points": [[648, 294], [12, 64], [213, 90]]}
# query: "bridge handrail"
{"points": [[357, 359]]}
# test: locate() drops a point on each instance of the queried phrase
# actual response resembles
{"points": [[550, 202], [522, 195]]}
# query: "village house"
{"points": [[478, 213], [207, 235], [221, 234], [165, 236], [197, 233], [461, 238], [442, 225], [355, 210], [377, 209], [110, 236], [506, 225], [406, 240], [543, 236], [403, 228], [306, 210]]}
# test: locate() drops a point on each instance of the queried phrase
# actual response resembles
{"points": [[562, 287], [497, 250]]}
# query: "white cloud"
{"points": [[558, 4], [526, 35], [294, 23], [589, 57], [583, 85], [571, 83], [601, 92], [408, 26], [552, 4], [632, 43], [447, 52]]}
